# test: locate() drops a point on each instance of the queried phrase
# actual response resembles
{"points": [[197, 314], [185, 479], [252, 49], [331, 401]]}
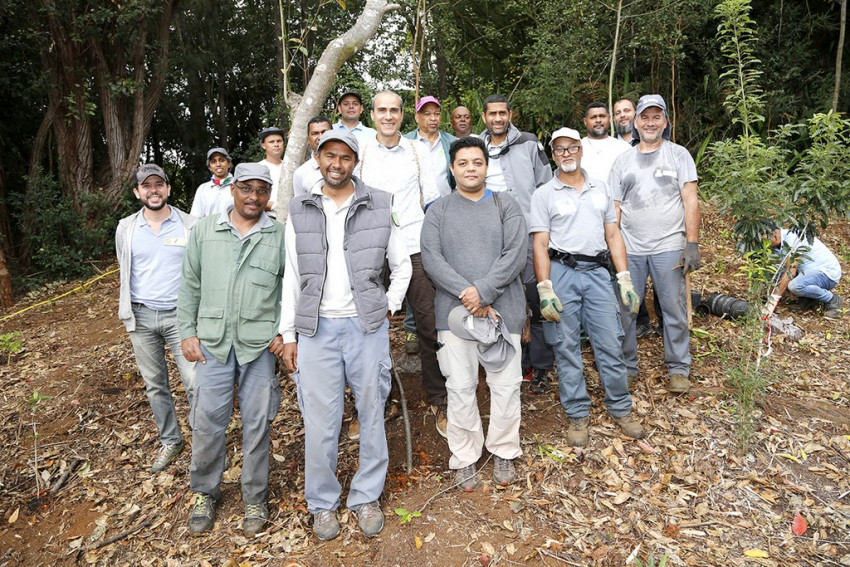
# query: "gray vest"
{"points": [[368, 225]]}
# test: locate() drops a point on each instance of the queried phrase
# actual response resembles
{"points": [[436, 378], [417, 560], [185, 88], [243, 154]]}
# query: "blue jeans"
{"points": [[589, 303], [814, 285], [339, 353], [259, 399], [153, 330], [669, 285]]}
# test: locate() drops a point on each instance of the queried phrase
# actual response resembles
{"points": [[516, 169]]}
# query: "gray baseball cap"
{"points": [[343, 136], [149, 169], [269, 131], [221, 151], [248, 171], [495, 347], [649, 100]]}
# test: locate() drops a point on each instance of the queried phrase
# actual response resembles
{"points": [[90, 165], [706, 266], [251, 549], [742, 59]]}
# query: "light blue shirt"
{"points": [[157, 259], [817, 257], [361, 132]]}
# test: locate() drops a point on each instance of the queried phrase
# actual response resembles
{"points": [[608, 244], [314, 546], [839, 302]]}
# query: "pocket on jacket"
{"points": [[265, 274], [210, 322], [257, 325]]}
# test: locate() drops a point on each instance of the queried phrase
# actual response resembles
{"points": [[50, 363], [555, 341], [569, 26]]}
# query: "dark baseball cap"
{"points": [[249, 170], [269, 131], [343, 136], [347, 93], [149, 169]]}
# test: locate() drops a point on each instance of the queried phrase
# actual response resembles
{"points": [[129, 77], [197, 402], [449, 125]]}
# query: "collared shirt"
{"points": [[817, 257], [305, 177], [575, 219], [599, 155], [156, 259], [440, 162], [361, 132], [264, 221], [274, 170], [337, 297], [495, 175], [211, 198], [405, 170]]}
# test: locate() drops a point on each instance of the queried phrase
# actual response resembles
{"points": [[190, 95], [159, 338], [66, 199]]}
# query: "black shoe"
{"points": [[642, 331], [539, 382]]}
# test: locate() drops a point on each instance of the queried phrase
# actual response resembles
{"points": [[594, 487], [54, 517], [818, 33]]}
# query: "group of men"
{"points": [[500, 262]]}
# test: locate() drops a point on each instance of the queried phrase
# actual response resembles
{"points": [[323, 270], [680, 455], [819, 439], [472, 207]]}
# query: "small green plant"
{"points": [[11, 343], [406, 515], [33, 402], [650, 561]]}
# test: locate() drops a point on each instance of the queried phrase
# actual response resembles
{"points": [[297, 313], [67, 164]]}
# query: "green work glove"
{"points": [[627, 292], [550, 305]]}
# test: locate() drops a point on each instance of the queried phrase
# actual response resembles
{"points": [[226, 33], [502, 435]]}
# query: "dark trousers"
{"points": [[420, 298], [536, 354]]}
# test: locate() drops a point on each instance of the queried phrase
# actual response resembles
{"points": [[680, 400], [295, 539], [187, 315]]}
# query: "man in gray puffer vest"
{"points": [[334, 299]]}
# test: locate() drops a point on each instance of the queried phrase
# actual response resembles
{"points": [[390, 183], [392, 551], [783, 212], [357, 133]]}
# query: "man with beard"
{"points": [[308, 173], [574, 223], [461, 121], [229, 313], [599, 149], [150, 245], [654, 186], [624, 115], [338, 238], [518, 165]]}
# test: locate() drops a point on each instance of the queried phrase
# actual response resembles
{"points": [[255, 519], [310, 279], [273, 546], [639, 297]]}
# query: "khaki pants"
{"points": [[459, 363]]}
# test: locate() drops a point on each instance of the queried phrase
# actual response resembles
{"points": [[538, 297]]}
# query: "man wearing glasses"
{"points": [[574, 223], [518, 165], [228, 309]]}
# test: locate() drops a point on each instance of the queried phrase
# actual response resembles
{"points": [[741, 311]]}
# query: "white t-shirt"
{"points": [[599, 155]]}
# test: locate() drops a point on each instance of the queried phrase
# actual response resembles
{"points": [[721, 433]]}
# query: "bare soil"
{"points": [[687, 490]]}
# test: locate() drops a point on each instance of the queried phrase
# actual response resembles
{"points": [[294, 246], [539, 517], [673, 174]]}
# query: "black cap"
{"points": [[269, 131], [347, 93]]}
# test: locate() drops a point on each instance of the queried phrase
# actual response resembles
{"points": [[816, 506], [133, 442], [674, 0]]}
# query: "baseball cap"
{"points": [[495, 347], [221, 151], [149, 169], [269, 131], [343, 136], [248, 171], [564, 133], [352, 93], [425, 100], [649, 100]]}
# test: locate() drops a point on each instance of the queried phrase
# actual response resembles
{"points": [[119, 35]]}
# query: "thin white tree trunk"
{"points": [[838, 56], [310, 104], [614, 65]]}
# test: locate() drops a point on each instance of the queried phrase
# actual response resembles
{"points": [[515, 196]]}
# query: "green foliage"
{"points": [[11, 343], [406, 515], [650, 561], [36, 399]]}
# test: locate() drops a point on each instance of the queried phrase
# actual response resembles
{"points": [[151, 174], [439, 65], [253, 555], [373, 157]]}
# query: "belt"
{"points": [[572, 260]]}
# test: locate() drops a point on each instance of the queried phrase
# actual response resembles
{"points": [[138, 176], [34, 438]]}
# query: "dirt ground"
{"points": [[686, 491]]}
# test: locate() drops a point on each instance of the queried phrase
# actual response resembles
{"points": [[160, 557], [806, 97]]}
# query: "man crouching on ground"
{"points": [[338, 237], [474, 244]]}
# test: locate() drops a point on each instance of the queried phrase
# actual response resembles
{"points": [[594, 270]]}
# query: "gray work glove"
{"points": [[690, 258]]}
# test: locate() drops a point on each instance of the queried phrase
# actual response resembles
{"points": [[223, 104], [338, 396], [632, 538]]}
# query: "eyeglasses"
{"points": [[573, 150], [260, 191]]}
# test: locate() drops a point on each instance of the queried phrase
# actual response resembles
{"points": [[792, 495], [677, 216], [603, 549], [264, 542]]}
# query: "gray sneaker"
{"points": [[832, 308], [325, 525], [504, 471], [678, 383], [255, 518], [370, 519], [466, 478], [203, 514], [166, 456]]}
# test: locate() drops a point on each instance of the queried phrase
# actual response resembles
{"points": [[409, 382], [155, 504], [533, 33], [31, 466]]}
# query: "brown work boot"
{"points": [[577, 433], [629, 425], [678, 383], [441, 414]]}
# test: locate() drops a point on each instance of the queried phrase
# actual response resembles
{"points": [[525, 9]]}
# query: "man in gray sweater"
{"points": [[474, 248]]}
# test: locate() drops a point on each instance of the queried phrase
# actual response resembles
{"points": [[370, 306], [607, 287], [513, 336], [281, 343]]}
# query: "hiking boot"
{"points": [[325, 525], [678, 383], [577, 433], [527, 374], [370, 519], [466, 478], [504, 471], [629, 425], [166, 456], [354, 430], [540, 382], [642, 331], [203, 514], [255, 518], [441, 413], [411, 343], [832, 308]]}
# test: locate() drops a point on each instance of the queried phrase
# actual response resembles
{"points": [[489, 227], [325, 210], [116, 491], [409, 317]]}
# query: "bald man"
{"points": [[461, 121]]}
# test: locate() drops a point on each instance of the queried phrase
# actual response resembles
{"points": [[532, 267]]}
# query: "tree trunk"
{"points": [[838, 56], [303, 108], [7, 298], [614, 65]]}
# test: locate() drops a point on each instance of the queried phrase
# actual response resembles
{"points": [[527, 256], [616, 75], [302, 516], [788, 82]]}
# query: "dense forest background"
{"points": [[90, 88]]}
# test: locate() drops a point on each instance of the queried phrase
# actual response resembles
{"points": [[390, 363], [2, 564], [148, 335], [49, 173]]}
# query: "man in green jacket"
{"points": [[229, 313]]}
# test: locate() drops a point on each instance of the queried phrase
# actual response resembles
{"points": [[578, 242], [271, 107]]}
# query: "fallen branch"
{"points": [[64, 478], [122, 535]]}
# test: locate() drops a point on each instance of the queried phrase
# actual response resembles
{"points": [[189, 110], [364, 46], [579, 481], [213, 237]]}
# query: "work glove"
{"points": [[627, 292], [690, 258], [769, 306], [550, 305]]}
